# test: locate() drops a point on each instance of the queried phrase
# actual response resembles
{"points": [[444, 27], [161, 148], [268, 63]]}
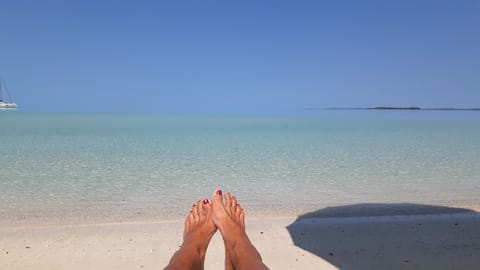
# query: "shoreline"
{"points": [[358, 210]]}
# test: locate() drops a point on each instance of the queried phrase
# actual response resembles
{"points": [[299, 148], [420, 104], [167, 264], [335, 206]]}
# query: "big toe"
{"points": [[217, 199]]}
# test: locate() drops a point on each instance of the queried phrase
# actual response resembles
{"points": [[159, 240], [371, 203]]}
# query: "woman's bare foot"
{"points": [[229, 217], [199, 229]]}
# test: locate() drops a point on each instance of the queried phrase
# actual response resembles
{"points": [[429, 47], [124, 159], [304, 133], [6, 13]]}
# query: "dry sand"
{"points": [[439, 241], [137, 246]]}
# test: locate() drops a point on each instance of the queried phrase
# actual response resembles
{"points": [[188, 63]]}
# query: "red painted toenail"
{"points": [[205, 201], [219, 192]]}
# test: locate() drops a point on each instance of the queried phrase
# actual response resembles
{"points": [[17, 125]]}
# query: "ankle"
{"points": [[195, 247], [195, 251], [236, 239]]}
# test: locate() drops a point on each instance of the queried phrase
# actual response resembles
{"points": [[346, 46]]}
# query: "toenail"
{"points": [[205, 201], [219, 192]]}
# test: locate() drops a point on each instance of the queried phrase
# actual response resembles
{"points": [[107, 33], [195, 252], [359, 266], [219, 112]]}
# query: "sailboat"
{"points": [[3, 103]]}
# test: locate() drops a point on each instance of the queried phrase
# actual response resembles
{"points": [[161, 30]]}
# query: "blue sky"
{"points": [[239, 56]]}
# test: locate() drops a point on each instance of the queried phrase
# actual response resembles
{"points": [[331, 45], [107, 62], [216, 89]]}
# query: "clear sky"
{"points": [[239, 56]]}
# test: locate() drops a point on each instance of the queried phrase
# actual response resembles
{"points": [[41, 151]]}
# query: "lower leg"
{"points": [[199, 229], [233, 208], [230, 220]]}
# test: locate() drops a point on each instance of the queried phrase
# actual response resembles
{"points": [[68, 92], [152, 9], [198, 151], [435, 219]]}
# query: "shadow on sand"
{"points": [[391, 236]]}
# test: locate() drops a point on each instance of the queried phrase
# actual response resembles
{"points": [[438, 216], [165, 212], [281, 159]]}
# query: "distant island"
{"points": [[395, 108]]}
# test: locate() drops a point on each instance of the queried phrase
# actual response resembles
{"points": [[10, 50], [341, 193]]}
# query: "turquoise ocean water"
{"points": [[128, 167]]}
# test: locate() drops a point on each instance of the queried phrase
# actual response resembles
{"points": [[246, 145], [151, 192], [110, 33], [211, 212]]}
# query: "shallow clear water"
{"points": [[117, 167]]}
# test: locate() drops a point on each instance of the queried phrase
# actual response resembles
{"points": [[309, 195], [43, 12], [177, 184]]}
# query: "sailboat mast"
{"points": [[1, 91]]}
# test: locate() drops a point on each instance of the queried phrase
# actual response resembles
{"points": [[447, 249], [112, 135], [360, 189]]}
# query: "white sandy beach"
{"points": [[137, 246], [436, 241]]}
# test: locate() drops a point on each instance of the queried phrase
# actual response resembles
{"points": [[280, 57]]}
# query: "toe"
{"points": [[206, 206], [217, 198], [242, 218], [228, 201], [195, 213], [233, 204], [200, 209], [206, 202], [238, 210]]}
